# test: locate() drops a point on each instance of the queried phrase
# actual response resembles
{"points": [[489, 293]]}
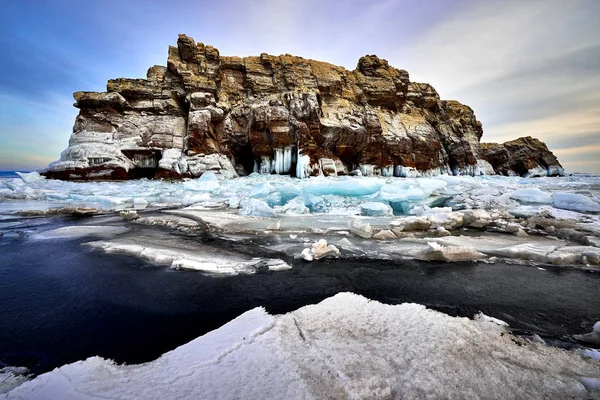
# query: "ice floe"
{"points": [[319, 249], [78, 231], [201, 259], [344, 347]]}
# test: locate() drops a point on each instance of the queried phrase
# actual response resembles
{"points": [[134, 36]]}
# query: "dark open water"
{"points": [[61, 302]]}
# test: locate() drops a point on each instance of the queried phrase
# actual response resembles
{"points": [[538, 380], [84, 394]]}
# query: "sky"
{"points": [[527, 68]]}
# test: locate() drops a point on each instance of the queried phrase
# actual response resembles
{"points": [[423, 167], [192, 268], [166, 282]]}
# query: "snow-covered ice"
{"points": [[575, 202], [532, 195], [346, 347]]}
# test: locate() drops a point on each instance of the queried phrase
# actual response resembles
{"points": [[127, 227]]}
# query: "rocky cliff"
{"points": [[276, 114], [525, 156]]}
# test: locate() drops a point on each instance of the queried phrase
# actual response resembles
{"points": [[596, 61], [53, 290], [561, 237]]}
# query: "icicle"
{"points": [[265, 165], [303, 168], [366, 169], [287, 159], [387, 171], [278, 164]]}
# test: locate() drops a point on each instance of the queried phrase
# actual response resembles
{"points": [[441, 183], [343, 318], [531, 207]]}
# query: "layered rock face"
{"points": [[525, 156], [271, 114]]}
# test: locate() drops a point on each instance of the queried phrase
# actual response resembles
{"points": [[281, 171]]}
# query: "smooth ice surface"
{"points": [[531, 195], [81, 231], [376, 209], [346, 347], [575, 202]]}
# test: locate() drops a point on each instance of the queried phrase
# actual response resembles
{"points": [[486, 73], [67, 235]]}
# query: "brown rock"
{"points": [[525, 156], [264, 113]]}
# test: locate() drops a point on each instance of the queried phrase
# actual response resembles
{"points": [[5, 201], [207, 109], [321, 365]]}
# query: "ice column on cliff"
{"points": [[282, 160], [303, 169]]}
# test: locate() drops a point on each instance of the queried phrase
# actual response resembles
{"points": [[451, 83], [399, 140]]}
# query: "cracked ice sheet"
{"points": [[346, 347], [231, 222]]}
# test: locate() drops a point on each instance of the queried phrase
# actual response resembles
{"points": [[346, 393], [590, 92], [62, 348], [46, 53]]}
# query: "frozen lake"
{"points": [[130, 271], [64, 302]]}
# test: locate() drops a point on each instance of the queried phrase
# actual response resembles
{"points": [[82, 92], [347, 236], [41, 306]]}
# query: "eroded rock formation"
{"points": [[271, 114], [525, 156]]}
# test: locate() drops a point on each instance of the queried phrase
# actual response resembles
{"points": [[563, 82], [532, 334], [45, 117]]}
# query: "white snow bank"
{"points": [[346, 347]]}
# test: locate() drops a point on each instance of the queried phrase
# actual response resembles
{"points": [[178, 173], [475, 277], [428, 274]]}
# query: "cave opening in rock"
{"points": [[244, 156], [145, 161]]}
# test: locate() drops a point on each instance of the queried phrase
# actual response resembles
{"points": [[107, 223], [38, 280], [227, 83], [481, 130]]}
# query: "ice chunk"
{"points": [[31, 177], [321, 249], [592, 353], [384, 234], [344, 242], [401, 192], [140, 203], [476, 218], [276, 226], [277, 265], [575, 202], [481, 317], [531, 195], [484, 168], [295, 206], [306, 254], [361, 228], [206, 183], [451, 253], [318, 250], [11, 377], [257, 208], [447, 220], [376, 209], [234, 202], [537, 172], [342, 186], [261, 190], [303, 169], [129, 215], [411, 223]]}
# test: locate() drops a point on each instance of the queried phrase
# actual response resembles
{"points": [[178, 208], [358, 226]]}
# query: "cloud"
{"points": [[526, 70]]}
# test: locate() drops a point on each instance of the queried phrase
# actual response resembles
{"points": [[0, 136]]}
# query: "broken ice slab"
{"points": [[180, 254]]}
